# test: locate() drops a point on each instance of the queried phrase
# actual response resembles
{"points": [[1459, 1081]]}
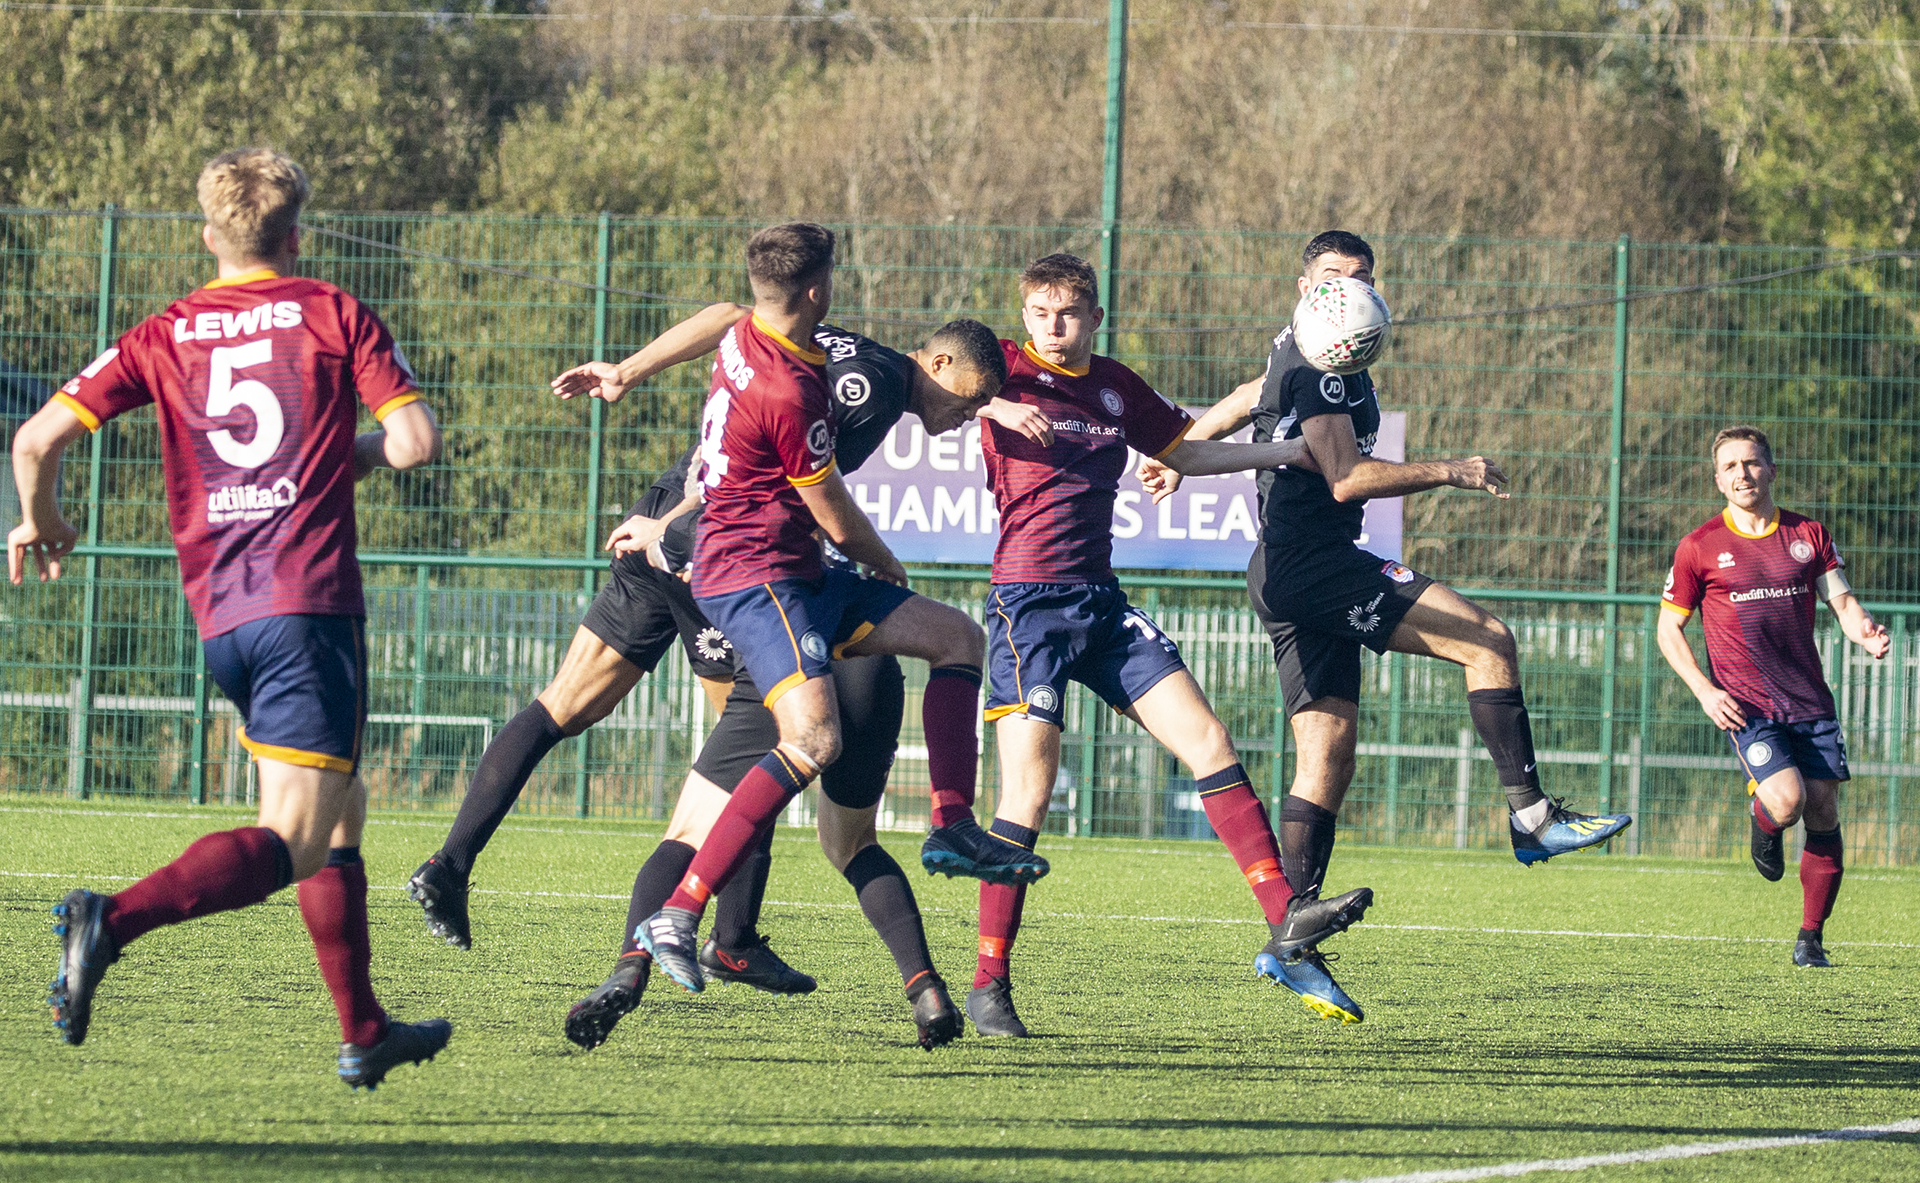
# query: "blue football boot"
{"points": [[1563, 832], [1307, 976], [405, 1043], [672, 936], [86, 950], [965, 849]]}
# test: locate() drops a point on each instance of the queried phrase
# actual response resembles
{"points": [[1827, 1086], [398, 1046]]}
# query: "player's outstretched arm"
{"points": [[1860, 626], [1023, 418], [43, 531], [849, 529], [407, 438], [1224, 418], [1354, 477], [696, 336], [1671, 633], [1192, 457]]}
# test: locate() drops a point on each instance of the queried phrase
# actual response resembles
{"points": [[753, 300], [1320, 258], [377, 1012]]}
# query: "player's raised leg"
{"points": [[1444, 624]]}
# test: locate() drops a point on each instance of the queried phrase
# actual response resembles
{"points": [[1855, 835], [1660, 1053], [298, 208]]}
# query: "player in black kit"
{"points": [[1321, 597]]}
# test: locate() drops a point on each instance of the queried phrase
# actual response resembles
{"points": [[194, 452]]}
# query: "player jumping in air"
{"points": [[1753, 572], [769, 481], [1321, 597], [1057, 614], [255, 379]]}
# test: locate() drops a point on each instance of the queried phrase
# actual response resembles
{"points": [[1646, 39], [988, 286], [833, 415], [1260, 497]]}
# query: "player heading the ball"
{"points": [[255, 380], [1321, 598], [1753, 572]]}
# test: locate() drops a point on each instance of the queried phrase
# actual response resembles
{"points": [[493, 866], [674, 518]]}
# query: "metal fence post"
{"points": [[596, 453], [1279, 795], [1897, 742], [1395, 692], [80, 740], [1616, 442], [1462, 785], [197, 752], [1110, 186], [1643, 730]]}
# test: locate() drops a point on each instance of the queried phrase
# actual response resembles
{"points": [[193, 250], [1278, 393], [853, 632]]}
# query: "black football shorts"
{"points": [[873, 699], [1319, 604], [642, 609]]}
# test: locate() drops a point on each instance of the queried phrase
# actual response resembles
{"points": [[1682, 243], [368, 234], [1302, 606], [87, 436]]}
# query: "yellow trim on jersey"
{"points": [[994, 713], [1773, 523], [817, 356], [1034, 356], [801, 482], [1683, 612], [393, 404], [859, 634], [1177, 440], [91, 420], [298, 756], [254, 276]]}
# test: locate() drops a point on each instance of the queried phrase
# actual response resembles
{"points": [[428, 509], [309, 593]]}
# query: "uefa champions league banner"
{"points": [[929, 498]]}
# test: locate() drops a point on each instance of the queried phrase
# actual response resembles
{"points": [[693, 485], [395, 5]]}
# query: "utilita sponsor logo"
{"points": [[250, 503], [1765, 593]]}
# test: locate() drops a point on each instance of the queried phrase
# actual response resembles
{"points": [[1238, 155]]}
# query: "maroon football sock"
{"points": [[757, 800], [950, 715], [1000, 908], [1237, 817], [1821, 870], [218, 873], [1767, 824], [334, 905]]}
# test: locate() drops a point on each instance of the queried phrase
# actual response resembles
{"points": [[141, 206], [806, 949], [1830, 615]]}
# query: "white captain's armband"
{"points": [[1831, 585]]}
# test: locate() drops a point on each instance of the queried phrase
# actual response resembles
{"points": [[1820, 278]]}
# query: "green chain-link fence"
{"points": [[479, 567]]}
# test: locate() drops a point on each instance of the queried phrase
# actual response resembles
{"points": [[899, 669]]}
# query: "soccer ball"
{"points": [[1341, 326]]}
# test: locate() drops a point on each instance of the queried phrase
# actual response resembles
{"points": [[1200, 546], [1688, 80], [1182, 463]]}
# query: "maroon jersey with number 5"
{"points": [[768, 430], [1755, 593], [256, 381]]}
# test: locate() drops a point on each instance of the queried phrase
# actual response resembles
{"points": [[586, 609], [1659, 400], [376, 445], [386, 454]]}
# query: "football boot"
{"points": [[755, 965], [937, 1019], [1307, 976], [1769, 850], [963, 848], [592, 1018], [442, 894], [406, 1043], [672, 936], [1809, 953], [1563, 832], [991, 1009], [1310, 920], [86, 950]]}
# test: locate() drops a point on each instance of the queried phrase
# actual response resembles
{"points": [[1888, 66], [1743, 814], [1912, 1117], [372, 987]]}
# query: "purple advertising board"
{"points": [[929, 498]]}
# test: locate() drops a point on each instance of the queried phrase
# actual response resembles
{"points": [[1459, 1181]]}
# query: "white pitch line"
{"points": [[1124, 918], [1865, 1133]]}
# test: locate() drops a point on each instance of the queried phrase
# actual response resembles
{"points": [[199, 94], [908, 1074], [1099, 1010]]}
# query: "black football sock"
{"points": [[887, 899], [504, 768], [1500, 716], [736, 914], [658, 876], [1306, 845]]}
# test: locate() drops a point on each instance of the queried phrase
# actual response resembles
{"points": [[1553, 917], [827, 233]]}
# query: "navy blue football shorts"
{"points": [[1816, 747], [300, 683], [1040, 636], [791, 630]]}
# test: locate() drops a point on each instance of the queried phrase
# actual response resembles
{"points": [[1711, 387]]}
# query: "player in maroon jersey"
{"points": [[769, 481], [1753, 572], [256, 380], [1056, 613]]}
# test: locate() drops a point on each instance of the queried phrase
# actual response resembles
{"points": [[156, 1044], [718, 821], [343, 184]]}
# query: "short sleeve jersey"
{"points": [[869, 385], [1296, 506], [1755, 595], [256, 381], [767, 432], [1056, 500]]}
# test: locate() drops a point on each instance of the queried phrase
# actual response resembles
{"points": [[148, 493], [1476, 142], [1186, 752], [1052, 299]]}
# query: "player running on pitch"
{"points": [[1753, 572], [1057, 613], [255, 379], [769, 482], [1321, 597]]}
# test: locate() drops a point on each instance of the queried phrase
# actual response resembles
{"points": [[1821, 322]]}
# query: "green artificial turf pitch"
{"points": [[1158, 1054]]}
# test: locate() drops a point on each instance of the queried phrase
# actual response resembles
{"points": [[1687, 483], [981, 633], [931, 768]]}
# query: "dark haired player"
{"points": [[1753, 572], [256, 380], [1057, 613], [769, 482], [1321, 597], [647, 602]]}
